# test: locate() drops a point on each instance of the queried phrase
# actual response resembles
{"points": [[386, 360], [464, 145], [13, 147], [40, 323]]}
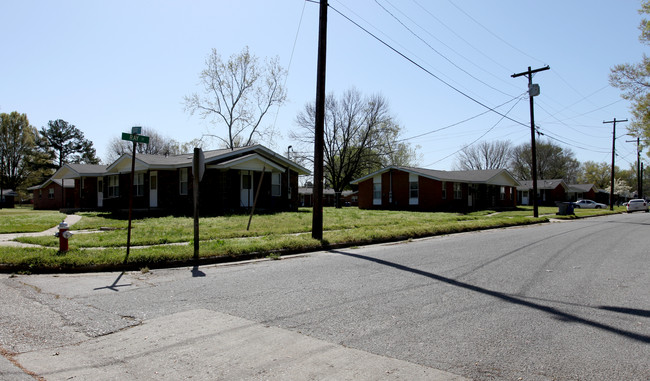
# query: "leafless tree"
{"points": [[485, 155], [360, 136], [238, 94]]}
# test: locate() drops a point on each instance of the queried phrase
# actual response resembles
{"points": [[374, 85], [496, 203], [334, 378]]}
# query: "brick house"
{"points": [[164, 183], [54, 194], [408, 188], [548, 192]]}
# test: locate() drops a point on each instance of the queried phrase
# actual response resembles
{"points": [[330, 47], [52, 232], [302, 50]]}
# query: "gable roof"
{"points": [[71, 171], [582, 188], [543, 184], [213, 157], [66, 183], [487, 176]]}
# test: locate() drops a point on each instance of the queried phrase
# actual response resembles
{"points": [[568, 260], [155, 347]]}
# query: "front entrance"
{"points": [[153, 189], [100, 192], [246, 189]]}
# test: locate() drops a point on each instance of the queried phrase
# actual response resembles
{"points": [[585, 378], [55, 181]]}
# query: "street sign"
{"points": [[135, 138], [137, 130]]}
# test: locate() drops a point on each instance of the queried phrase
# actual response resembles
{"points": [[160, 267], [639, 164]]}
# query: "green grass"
{"points": [[26, 220], [268, 236]]}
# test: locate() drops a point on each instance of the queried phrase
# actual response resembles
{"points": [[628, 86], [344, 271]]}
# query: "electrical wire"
{"points": [[424, 69], [435, 50], [479, 138], [457, 123]]}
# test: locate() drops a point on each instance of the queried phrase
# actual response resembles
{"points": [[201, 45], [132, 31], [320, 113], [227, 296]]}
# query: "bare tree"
{"points": [[484, 155], [238, 93], [158, 145], [360, 136]]}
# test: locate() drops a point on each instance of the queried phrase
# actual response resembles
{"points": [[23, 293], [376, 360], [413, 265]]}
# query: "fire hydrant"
{"points": [[63, 234]]}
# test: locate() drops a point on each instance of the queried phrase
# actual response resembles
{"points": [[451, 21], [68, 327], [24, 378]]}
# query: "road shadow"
{"points": [[115, 285], [629, 311], [554, 312]]}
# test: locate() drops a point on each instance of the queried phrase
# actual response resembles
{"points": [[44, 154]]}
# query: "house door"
{"points": [[100, 192], [524, 198], [246, 189], [153, 189]]}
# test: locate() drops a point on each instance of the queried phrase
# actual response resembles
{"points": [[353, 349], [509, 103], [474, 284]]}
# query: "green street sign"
{"points": [[135, 138]]}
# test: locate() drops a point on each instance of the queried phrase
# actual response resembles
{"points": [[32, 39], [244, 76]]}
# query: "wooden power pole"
{"points": [[319, 128], [611, 187], [533, 90]]}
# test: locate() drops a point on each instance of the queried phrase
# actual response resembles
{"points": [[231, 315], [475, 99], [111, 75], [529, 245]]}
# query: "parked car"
{"points": [[636, 205], [588, 204]]}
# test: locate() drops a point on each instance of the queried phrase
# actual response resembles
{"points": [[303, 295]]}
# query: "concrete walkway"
{"points": [[209, 345], [7, 239]]}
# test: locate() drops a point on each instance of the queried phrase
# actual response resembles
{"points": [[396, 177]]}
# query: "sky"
{"points": [[105, 66]]}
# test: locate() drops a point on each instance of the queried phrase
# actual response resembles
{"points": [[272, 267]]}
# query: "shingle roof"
{"points": [[88, 168], [542, 184], [470, 176]]}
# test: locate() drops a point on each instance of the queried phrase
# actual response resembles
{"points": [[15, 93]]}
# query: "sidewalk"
{"points": [[208, 345]]}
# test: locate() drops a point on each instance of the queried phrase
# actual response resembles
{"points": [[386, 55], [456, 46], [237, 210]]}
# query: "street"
{"points": [[558, 301]]}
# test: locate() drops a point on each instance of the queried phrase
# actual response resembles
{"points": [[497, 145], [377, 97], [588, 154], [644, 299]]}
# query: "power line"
{"points": [[492, 33], [479, 138], [424, 69], [435, 50], [457, 123]]}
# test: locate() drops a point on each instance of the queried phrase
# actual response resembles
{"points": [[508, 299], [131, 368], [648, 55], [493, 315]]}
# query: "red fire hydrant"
{"points": [[63, 234]]}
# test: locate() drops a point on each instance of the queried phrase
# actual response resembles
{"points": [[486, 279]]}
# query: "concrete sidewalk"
{"points": [[207, 345]]}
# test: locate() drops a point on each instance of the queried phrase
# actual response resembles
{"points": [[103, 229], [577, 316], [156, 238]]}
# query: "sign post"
{"points": [[136, 138], [198, 168]]}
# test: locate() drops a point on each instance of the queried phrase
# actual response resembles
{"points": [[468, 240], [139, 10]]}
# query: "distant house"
{"points": [[7, 198], [548, 192], [584, 191], [54, 194], [408, 188], [348, 197], [87, 179], [164, 183]]}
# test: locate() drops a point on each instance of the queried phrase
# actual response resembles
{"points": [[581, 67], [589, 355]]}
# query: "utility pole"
{"points": [[611, 189], [639, 171], [319, 128], [533, 90]]}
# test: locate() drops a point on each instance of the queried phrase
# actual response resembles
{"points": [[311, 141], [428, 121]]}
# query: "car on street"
{"points": [[588, 204], [637, 204]]}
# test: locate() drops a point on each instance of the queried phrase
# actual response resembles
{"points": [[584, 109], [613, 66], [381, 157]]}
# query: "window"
{"points": [[444, 190], [138, 184], [414, 189], [376, 190], [50, 193], [503, 193], [458, 191], [114, 186], [182, 180], [276, 189]]}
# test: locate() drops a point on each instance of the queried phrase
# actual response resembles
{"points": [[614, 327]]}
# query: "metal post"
{"points": [[128, 234]]}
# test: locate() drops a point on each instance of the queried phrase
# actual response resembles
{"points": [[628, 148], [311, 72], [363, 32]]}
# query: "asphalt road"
{"points": [[559, 301]]}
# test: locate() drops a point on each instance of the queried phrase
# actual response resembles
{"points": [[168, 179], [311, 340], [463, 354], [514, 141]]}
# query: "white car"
{"points": [[588, 204], [636, 205]]}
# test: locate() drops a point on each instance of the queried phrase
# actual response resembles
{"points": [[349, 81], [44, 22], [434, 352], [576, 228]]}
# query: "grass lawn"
{"points": [[26, 220], [227, 236]]}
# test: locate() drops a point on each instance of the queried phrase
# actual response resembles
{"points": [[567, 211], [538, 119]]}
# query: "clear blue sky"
{"points": [[105, 66]]}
